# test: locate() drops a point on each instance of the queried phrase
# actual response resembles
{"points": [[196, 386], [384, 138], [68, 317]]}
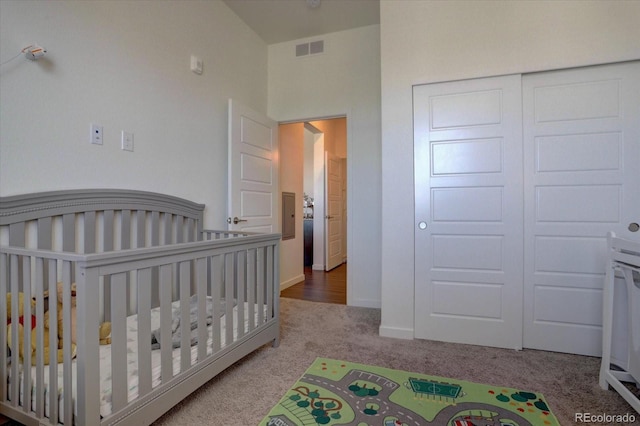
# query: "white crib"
{"points": [[624, 260], [138, 260]]}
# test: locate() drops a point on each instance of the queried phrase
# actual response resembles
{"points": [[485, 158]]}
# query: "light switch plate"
{"points": [[127, 141], [196, 64]]}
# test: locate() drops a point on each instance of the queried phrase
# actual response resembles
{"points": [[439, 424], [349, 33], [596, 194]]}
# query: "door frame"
{"points": [[349, 186]]}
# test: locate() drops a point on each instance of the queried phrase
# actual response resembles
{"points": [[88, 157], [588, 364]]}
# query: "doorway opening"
{"points": [[324, 211]]}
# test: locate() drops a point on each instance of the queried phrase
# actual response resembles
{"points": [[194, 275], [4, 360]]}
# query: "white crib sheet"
{"points": [[132, 360]]}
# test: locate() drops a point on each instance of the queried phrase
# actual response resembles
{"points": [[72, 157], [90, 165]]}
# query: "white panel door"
{"points": [[333, 216], [582, 175], [468, 195], [253, 171]]}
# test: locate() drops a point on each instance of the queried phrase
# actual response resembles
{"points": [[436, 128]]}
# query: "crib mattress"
{"points": [[132, 361]]}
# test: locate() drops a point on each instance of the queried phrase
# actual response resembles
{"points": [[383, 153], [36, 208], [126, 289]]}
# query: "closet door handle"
{"points": [[634, 227]]}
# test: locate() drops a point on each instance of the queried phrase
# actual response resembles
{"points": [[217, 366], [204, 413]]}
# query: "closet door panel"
{"points": [[581, 168], [468, 192]]}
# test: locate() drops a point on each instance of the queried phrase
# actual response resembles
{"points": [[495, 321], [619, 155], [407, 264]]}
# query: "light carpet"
{"points": [[244, 393]]}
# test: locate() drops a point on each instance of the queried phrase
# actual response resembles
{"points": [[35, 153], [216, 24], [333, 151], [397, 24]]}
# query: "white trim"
{"points": [[292, 281], [397, 332]]}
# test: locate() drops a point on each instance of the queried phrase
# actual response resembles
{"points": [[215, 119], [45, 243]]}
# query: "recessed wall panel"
{"points": [[256, 204], [466, 157], [335, 247], [477, 252], [467, 299], [256, 169], [550, 305], [582, 101], [587, 255], [255, 134], [581, 203], [467, 204], [572, 153], [334, 228], [466, 109]]}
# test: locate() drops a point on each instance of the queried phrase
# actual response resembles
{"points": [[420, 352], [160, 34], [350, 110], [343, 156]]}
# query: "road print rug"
{"points": [[333, 392]]}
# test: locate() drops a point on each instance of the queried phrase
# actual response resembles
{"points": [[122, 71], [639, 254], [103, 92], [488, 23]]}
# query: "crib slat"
{"points": [[275, 314], [166, 359], [3, 325], [216, 288], [88, 351], [229, 281], [185, 316], [125, 243], [13, 283], [26, 378], [144, 331], [201, 291], [251, 287], [39, 290], [53, 347], [66, 341], [119, 394], [260, 285], [14, 388], [240, 290], [270, 283], [107, 245]]}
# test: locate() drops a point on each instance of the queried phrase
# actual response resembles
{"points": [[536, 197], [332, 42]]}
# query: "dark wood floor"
{"points": [[320, 286]]}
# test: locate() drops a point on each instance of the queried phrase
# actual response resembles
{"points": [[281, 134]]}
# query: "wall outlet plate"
{"points": [[96, 134]]}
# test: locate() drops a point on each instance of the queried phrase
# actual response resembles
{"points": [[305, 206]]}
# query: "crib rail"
{"points": [[624, 260], [238, 271], [98, 220]]}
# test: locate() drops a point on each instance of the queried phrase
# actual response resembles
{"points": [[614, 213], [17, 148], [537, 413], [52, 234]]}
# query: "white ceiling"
{"points": [[276, 21]]}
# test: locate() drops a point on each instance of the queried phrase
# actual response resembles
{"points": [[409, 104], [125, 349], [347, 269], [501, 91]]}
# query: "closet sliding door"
{"points": [[517, 182], [468, 201], [582, 179]]}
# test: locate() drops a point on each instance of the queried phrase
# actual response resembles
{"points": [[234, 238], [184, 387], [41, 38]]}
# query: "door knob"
{"points": [[634, 227], [235, 220], [328, 217]]}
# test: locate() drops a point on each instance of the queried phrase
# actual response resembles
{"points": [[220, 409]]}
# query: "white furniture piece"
{"points": [[624, 260], [143, 262]]}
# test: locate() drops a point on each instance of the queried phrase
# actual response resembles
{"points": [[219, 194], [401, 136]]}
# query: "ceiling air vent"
{"points": [[312, 48]]}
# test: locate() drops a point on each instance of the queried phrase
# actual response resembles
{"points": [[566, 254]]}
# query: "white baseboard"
{"points": [[317, 267], [292, 281], [398, 333], [364, 303]]}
